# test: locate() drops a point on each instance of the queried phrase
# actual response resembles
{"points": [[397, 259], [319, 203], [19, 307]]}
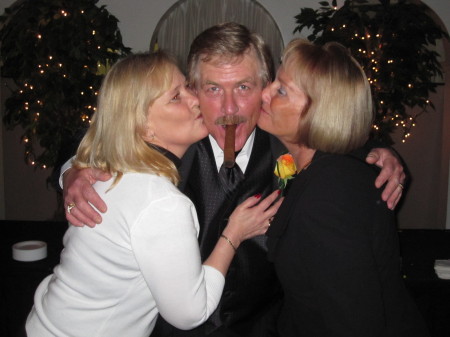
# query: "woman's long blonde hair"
{"points": [[114, 140]]}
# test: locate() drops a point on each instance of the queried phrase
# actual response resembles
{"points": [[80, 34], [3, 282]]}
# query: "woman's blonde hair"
{"points": [[114, 140], [339, 112]]}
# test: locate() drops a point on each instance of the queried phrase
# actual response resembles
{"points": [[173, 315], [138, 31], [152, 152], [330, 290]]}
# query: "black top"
{"points": [[334, 244]]}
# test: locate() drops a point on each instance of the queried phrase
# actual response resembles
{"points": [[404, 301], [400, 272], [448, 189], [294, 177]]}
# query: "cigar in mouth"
{"points": [[230, 122]]}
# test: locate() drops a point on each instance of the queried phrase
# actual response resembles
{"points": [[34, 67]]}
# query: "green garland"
{"points": [[57, 52], [392, 43]]}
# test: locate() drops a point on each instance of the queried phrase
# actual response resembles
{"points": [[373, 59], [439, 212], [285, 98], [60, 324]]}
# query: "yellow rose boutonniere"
{"points": [[285, 169]]}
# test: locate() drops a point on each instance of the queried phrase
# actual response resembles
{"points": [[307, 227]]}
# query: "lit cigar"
{"points": [[230, 122]]}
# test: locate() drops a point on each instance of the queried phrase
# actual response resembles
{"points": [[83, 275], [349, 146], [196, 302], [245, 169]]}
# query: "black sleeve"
{"points": [[371, 144]]}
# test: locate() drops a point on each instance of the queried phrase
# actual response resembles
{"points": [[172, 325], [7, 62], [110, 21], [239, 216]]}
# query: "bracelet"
{"points": [[229, 241]]}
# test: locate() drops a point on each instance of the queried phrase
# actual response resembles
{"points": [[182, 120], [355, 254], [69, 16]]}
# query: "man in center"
{"points": [[228, 67]]}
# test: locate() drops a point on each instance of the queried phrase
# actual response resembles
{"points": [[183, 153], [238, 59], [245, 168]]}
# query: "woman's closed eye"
{"points": [[281, 91], [175, 98]]}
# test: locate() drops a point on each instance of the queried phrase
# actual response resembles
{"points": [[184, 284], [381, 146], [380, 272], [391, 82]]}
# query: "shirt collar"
{"points": [[169, 155], [243, 156]]}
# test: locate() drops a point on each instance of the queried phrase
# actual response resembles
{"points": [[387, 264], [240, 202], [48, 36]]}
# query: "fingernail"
{"points": [[279, 192], [257, 196]]}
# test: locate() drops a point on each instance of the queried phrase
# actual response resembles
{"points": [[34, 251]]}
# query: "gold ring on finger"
{"points": [[70, 206]]}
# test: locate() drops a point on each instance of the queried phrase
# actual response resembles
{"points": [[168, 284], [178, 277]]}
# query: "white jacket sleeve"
{"points": [[164, 241]]}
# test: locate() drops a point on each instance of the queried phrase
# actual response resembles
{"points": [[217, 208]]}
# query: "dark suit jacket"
{"points": [[251, 287], [334, 244]]}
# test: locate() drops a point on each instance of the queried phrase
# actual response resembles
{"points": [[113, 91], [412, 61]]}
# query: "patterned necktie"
{"points": [[230, 178]]}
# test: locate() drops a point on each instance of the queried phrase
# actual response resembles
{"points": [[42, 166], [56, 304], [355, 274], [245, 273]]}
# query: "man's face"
{"points": [[232, 88]]}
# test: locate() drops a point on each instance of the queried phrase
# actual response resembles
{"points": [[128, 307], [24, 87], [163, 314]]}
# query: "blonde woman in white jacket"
{"points": [[143, 259]]}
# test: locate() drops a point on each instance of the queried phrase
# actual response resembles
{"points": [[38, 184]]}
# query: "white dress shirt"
{"points": [[243, 157]]}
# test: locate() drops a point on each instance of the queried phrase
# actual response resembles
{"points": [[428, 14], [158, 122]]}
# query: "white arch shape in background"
{"points": [[187, 18]]}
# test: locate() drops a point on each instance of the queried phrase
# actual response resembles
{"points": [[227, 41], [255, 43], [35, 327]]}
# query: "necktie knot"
{"points": [[230, 178]]}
